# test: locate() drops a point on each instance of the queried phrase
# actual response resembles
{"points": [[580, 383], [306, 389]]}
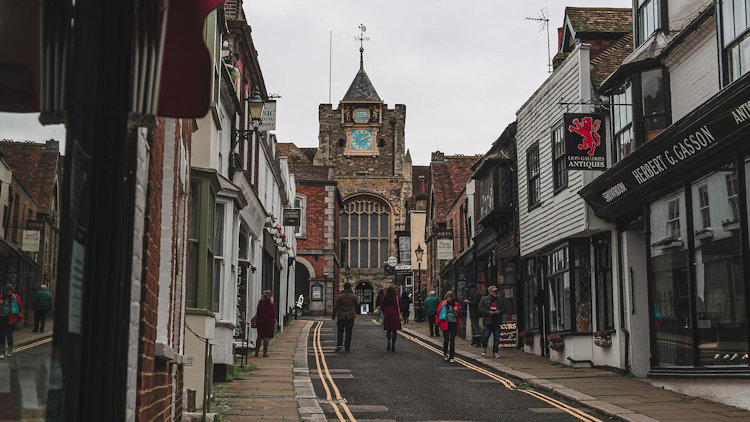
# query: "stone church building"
{"points": [[362, 141]]}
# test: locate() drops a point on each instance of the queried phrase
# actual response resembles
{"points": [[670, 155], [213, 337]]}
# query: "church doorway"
{"points": [[363, 291]]}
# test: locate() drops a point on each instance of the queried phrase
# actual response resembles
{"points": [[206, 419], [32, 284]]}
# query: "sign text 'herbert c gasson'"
{"points": [[686, 148]]}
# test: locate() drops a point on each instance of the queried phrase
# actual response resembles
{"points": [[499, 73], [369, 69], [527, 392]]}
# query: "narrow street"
{"points": [[414, 383], [23, 381]]}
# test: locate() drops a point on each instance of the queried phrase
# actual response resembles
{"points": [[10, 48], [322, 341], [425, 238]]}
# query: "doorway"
{"points": [[363, 291]]}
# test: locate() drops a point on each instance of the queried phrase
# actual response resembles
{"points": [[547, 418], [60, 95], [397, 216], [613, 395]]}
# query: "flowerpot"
{"points": [[603, 341], [556, 345], [528, 340], [583, 324]]}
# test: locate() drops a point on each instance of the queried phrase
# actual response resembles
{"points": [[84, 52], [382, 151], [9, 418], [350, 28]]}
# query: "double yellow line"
{"points": [[321, 358], [29, 346], [510, 385]]}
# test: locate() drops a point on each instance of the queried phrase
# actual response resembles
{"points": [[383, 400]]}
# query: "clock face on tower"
{"points": [[361, 140]]}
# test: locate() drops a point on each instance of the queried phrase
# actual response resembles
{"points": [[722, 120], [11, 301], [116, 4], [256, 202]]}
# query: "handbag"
{"points": [[14, 306], [443, 313], [254, 322]]}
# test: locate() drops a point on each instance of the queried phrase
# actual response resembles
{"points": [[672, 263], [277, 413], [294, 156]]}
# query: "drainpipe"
{"points": [[623, 328]]}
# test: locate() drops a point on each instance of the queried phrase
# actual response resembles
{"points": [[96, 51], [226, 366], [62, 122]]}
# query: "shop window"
{"points": [[605, 310], [404, 249], [364, 232], [531, 291], [218, 250], [558, 286], [735, 21], [559, 167], [648, 19], [732, 197], [622, 120], [193, 246], [532, 176]]}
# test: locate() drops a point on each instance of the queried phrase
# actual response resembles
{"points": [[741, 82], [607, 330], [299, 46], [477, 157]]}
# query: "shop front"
{"points": [[688, 187]]}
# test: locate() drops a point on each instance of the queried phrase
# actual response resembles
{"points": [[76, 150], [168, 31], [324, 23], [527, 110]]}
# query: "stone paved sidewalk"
{"points": [[26, 335], [625, 398], [279, 389]]}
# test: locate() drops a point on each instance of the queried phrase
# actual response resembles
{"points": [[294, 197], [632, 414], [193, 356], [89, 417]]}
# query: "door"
{"points": [[363, 291]]}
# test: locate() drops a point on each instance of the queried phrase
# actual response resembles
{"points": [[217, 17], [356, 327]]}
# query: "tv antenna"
{"points": [[543, 19]]}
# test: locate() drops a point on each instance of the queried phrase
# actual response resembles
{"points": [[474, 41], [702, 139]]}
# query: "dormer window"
{"points": [[648, 18]]}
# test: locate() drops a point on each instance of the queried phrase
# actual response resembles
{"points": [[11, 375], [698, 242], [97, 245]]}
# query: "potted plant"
{"points": [[668, 242], [602, 338], [731, 224], [527, 337], [555, 342], [704, 233], [583, 320]]}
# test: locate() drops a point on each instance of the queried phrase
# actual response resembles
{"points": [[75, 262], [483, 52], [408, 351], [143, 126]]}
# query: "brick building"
{"points": [[363, 141], [317, 271]]}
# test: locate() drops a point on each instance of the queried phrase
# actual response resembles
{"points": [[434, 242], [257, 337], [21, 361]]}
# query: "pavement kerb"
{"points": [[17, 344], [307, 402], [594, 403]]}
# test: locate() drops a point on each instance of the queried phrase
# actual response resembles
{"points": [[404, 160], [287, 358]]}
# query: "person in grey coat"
{"points": [[345, 311], [491, 308]]}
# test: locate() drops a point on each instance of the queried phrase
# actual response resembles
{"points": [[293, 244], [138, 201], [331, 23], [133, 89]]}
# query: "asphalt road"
{"points": [[415, 384], [24, 381]]}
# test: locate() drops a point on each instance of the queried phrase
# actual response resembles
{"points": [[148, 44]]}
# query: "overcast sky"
{"points": [[461, 68]]}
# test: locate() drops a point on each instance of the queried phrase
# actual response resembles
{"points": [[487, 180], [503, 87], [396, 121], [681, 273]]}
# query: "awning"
{"points": [[689, 148]]}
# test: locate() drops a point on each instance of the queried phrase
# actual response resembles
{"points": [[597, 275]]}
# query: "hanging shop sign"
{"points": [[680, 147], [292, 217], [444, 244], [403, 268], [30, 241], [268, 116], [585, 141]]}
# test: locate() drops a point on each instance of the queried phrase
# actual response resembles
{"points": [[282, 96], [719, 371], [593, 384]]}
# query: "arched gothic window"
{"points": [[364, 232]]}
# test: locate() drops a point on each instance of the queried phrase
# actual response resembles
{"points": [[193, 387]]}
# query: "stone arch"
{"points": [[365, 293], [382, 198], [307, 265]]}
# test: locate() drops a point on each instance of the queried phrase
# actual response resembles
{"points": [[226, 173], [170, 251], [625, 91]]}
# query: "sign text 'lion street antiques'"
{"points": [[585, 141]]}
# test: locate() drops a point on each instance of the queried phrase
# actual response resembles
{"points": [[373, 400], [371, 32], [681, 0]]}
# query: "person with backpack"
{"points": [[11, 312], [430, 310], [448, 318], [492, 308]]}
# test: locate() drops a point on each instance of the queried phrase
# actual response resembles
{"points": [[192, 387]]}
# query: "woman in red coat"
{"points": [[265, 321], [391, 309], [448, 318], [11, 311]]}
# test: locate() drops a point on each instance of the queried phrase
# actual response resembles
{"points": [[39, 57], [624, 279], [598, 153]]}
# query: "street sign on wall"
{"points": [[585, 141]]}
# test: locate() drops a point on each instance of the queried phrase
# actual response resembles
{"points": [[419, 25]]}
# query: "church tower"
{"points": [[364, 141]]}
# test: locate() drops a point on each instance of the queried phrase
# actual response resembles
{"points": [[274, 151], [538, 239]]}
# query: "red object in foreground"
{"points": [[19, 60], [185, 81]]}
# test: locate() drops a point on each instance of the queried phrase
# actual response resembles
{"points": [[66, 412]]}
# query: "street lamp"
{"points": [[256, 109], [419, 252]]}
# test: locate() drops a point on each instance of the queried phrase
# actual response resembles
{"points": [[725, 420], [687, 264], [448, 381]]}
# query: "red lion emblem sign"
{"points": [[585, 133]]}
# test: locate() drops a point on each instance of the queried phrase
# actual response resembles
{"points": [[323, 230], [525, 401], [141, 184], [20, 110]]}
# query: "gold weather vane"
{"points": [[361, 38]]}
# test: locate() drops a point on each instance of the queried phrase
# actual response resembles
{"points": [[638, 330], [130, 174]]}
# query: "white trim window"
{"points": [[673, 217], [733, 196], [300, 201], [218, 256], [704, 206]]}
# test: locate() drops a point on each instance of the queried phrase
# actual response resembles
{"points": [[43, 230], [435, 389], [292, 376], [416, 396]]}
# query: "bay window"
{"points": [[622, 120], [735, 22], [648, 19]]}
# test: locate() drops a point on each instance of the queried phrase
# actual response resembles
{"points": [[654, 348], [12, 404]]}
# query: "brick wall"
{"points": [[315, 216]]}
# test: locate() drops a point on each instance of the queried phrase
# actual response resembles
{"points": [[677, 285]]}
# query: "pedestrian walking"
{"points": [[430, 310], [448, 317], [473, 302], [491, 308], [344, 312], [11, 312], [41, 303], [265, 321], [405, 302], [391, 308]]}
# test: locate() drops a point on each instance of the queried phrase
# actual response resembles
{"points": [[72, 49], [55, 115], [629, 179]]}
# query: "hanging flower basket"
{"points": [[731, 224], [602, 339], [555, 342], [668, 242], [704, 233]]}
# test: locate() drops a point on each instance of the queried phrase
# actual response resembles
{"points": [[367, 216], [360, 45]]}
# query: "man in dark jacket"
{"points": [[42, 303], [344, 311], [476, 332], [491, 307], [430, 310]]}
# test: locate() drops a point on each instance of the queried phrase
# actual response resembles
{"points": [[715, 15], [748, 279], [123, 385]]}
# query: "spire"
{"points": [[361, 88], [361, 59]]}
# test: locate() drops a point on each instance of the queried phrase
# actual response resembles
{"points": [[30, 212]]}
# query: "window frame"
{"points": [[218, 255], [725, 45], [662, 19], [358, 206], [603, 284], [615, 105], [676, 219], [555, 274], [533, 204], [300, 232], [559, 167], [704, 209]]}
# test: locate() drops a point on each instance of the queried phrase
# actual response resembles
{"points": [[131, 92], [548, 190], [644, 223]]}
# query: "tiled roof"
{"points": [[610, 59], [361, 89], [600, 19], [449, 177], [294, 154], [35, 165]]}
